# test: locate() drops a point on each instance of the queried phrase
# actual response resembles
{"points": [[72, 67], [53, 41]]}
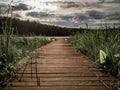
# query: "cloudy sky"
{"points": [[67, 13]]}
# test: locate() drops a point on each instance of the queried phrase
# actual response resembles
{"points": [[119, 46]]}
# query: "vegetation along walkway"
{"points": [[58, 66]]}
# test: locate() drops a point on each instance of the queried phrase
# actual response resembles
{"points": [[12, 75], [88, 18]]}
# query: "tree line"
{"points": [[27, 27]]}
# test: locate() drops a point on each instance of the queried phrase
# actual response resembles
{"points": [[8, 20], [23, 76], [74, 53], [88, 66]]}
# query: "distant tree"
{"points": [[27, 27]]}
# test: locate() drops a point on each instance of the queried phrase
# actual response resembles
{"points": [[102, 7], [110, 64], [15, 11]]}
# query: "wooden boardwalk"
{"points": [[58, 66]]}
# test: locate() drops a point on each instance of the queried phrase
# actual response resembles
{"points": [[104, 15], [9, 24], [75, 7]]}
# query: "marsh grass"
{"points": [[13, 48], [91, 43]]}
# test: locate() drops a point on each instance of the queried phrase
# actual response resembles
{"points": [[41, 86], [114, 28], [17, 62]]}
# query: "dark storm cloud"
{"points": [[113, 17], [103, 15], [81, 17], [66, 17], [109, 1], [74, 17], [69, 13], [96, 14], [22, 6], [39, 14], [69, 5]]}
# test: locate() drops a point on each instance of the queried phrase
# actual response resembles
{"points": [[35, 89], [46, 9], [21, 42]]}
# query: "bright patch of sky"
{"points": [[67, 13]]}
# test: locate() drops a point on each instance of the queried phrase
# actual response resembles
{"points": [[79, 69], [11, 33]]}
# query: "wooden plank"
{"points": [[60, 67]]}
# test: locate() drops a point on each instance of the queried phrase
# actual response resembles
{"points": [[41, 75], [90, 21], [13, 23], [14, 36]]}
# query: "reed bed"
{"points": [[13, 48], [102, 47]]}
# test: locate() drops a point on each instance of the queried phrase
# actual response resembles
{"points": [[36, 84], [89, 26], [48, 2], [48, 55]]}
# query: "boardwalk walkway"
{"points": [[58, 66]]}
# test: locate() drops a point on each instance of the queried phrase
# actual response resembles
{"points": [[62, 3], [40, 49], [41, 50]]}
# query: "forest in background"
{"points": [[27, 28], [103, 43]]}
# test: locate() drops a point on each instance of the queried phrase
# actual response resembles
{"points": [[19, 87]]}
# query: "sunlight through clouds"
{"points": [[68, 13]]}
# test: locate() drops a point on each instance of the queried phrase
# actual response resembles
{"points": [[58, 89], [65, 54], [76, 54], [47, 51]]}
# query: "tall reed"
{"points": [[101, 46], [13, 48]]}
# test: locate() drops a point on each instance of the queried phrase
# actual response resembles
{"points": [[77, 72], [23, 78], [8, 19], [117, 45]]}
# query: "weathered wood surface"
{"points": [[58, 66]]}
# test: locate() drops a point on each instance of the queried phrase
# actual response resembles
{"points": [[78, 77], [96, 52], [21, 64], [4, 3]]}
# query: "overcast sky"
{"points": [[68, 13]]}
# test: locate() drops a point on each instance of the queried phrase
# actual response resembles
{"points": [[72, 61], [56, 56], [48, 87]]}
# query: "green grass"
{"points": [[13, 48], [102, 47]]}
